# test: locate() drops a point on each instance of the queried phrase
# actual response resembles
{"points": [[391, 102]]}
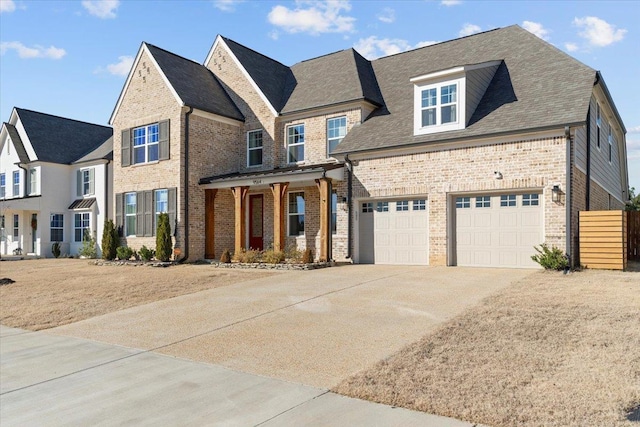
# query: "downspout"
{"points": [[567, 134], [349, 198], [587, 201], [186, 186]]}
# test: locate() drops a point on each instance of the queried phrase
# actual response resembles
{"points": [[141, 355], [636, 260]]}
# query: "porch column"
{"points": [[324, 187], [209, 224], [279, 190], [240, 196]]}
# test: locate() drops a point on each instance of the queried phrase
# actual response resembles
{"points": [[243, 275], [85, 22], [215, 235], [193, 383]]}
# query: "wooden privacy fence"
{"points": [[608, 239]]}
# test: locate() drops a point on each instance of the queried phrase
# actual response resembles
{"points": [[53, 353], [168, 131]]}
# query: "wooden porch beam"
{"points": [[209, 223], [279, 191], [240, 196]]}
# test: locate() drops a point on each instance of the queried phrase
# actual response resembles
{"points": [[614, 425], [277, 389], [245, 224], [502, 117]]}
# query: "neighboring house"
{"points": [[55, 182], [467, 152]]}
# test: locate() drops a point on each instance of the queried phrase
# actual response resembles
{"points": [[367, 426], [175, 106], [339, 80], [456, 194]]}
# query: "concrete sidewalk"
{"points": [[49, 380]]}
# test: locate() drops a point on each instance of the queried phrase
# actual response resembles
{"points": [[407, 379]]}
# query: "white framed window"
{"points": [[16, 226], [508, 200], [463, 202], [402, 205], [87, 181], [130, 207], [439, 106], [33, 181], [81, 226], [334, 212], [146, 144], [296, 214], [336, 131], [161, 198], [57, 227], [598, 125], [483, 202], [382, 207], [3, 186], [254, 148], [16, 183], [295, 143], [610, 139], [420, 205], [367, 207], [530, 200]]}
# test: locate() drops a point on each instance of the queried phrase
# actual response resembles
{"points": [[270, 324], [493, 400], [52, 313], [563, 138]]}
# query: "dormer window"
{"points": [[439, 105]]}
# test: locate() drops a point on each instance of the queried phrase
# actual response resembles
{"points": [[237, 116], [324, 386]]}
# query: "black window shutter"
{"points": [[148, 213], [126, 147], [119, 213], [173, 207], [140, 213], [163, 142]]}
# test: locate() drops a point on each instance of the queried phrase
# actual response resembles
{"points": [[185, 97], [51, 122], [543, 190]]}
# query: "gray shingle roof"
{"points": [[195, 84], [17, 142], [61, 140], [104, 151], [536, 86]]}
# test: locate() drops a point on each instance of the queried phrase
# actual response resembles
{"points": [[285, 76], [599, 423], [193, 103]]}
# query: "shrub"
{"points": [[550, 259], [307, 256], [247, 256], [225, 257], [55, 249], [110, 240], [89, 247], [163, 238], [124, 253], [293, 254], [272, 257], [146, 254]]}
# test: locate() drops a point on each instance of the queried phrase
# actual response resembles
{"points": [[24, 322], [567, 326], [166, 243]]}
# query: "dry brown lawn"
{"points": [[53, 292], [552, 350]]}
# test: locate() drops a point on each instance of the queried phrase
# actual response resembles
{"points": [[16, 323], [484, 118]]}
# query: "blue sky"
{"points": [[71, 58]]}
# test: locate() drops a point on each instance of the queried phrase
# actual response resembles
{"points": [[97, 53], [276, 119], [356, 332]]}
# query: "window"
{"points": [[508, 200], [610, 144], [57, 227], [438, 105], [16, 226], [529, 200], [367, 207], [483, 202], [33, 181], [3, 186], [254, 148], [16, 184], [463, 202], [336, 130], [162, 203], [145, 144], [86, 182], [81, 227], [2, 223], [295, 143], [382, 207], [402, 205], [598, 125], [334, 212], [296, 214], [130, 214], [419, 205]]}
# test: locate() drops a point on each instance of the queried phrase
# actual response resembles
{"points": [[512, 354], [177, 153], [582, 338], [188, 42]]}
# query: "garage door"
{"points": [[498, 230], [394, 232]]}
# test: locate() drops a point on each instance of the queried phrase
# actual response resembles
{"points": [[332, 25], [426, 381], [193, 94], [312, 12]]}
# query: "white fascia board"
{"points": [[220, 41], [217, 118], [292, 178], [143, 48], [453, 71], [26, 142]]}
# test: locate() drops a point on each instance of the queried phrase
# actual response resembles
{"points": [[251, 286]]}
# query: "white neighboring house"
{"points": [[55, 183]]}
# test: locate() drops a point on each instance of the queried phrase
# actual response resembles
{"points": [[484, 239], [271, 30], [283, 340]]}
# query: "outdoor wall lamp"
{"points": [[497, 175], [556, 194]]}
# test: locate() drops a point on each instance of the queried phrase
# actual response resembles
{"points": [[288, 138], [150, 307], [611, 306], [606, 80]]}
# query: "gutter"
{"points": [[567, 134], [349, 164], [186, 186], [587, 200]]}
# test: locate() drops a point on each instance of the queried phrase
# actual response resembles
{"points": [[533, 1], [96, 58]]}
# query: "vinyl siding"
{"points": [[477, 84]]}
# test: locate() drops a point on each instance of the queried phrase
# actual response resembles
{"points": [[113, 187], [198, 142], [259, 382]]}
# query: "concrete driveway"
{"points": [[313, 327]]}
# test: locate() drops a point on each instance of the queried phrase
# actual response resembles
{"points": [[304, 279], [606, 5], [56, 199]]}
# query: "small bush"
{"points": [[110, 240], [293, 255], [272, 257], [163, 238], [124, 253], [550, 259], [247, 256], [89, 248], [225, 257], [55, 249], [307, 257], [146, 254]]}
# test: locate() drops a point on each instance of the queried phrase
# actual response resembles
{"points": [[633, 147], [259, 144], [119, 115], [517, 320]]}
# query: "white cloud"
{"points": [[598, 32], [122, 67], [633, 149], [450, 2], [571, 47], [387, 15], [313, 17], [635, 129], [36, 51], [105, 9], [373, 47], [537, 29], [7, 6], [227, 5], [468, 29]]}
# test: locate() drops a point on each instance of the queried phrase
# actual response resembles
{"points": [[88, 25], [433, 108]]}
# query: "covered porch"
{"points": [[20, 226], [276, 209]]}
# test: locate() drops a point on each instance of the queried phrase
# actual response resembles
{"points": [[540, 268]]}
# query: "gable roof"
{"points": [[536, 86], [196, 86], [60, 140], [103, 151], [17, 142]]}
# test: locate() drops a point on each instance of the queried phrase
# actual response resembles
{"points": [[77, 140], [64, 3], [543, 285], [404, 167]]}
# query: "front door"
{"points": [[256, 240], [34, 227]]}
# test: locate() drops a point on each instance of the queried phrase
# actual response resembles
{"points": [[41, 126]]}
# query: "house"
{"points": [[55, 182], [467, 152]]}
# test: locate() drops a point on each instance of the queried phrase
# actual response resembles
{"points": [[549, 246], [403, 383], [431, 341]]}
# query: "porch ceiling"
{"points": [[30, 203]]}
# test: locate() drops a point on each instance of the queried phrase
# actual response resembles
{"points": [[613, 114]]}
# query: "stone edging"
{"points": [[263, 266], [132, 263]]}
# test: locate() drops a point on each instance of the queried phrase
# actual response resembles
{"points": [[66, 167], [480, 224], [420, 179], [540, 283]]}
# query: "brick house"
{"points": [[467, 152], [55, 183]]}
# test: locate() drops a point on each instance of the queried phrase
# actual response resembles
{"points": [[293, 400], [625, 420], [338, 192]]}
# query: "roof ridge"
{"points": [[226, 39], [60, 117], [322, 56], [174, 54]]}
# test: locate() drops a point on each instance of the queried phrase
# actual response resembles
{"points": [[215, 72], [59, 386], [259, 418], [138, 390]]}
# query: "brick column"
{"points": [[209, 223], [324, 187], [279, 190], [240, 196]]}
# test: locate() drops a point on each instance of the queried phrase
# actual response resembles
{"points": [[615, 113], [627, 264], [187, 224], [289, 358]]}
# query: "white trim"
{"points": [[346, 126], [342, 108], [458, 124], [451, 71], [297, 213], [254, 149], [220, 41], [303, 143], [256, 182], [217, 118], [142, 49]]}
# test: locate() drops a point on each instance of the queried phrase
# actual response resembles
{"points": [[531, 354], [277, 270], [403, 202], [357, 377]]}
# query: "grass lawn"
{"points": [[53, 292], [551, 350]]}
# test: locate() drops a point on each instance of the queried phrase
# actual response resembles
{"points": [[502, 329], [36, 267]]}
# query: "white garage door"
{"points": [[394, 232], [498, 230]]}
